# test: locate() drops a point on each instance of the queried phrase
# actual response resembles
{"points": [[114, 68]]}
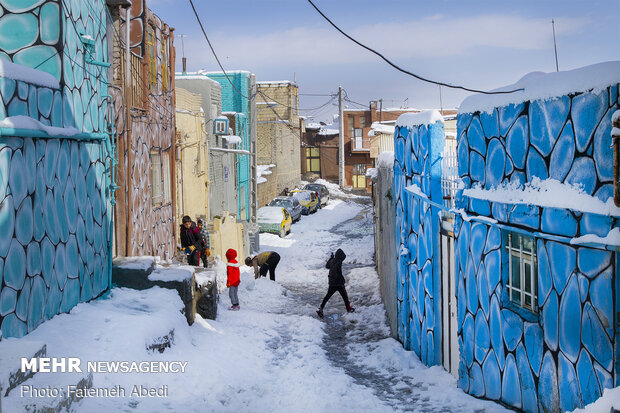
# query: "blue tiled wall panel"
{"points": [[562, 356], [417, 151]]}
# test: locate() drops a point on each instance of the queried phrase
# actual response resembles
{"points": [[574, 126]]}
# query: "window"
{"points": [[362, 121], [522, 282], [313, 160], [156, 181], [358, 139], [167, 198], [351, 120], [164, 65], [150, 50]]}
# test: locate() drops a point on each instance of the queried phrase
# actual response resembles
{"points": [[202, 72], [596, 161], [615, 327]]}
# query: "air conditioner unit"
{"points": [[220, 126]]}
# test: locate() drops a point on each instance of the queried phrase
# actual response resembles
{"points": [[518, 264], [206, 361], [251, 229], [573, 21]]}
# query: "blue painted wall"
{"points": [[234, 102], [55, 194], [417, 161], [560, 357]]}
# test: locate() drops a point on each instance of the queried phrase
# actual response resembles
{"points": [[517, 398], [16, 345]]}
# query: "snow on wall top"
{"points": [[25, 74], [385, 160], [275, 82], [380, 128], [232, 139], [427, 117], [545, 86], [545, 193], [26, 122], [193, 76]]}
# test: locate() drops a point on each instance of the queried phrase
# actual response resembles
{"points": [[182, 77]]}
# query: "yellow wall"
{"points": [[193, 167]]}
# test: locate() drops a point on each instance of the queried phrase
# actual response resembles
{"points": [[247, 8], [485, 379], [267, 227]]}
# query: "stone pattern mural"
{"points": [[417, 151], [561, 357], [30, 34], [55, 195], [148, 229]]}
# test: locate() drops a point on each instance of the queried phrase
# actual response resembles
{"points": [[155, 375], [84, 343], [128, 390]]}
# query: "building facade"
{"points": [[319, 151], [56, 161], [223, 192], [240, 101], [278, 135], [142, 88], [193, 161]]}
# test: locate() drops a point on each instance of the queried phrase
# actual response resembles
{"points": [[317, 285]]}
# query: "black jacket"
{"points": [[335, 268], [190, 236]]}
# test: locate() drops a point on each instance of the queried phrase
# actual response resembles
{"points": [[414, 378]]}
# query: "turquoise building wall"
{"points": [[55, 184], [232, 101], [417, 155], [560, 356]]}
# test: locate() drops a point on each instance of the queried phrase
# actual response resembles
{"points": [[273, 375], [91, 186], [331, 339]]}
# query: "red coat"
{"points": [[232, 269]]}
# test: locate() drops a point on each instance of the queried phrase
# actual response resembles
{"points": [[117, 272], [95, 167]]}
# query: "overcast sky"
{"points": [[478, 44]]}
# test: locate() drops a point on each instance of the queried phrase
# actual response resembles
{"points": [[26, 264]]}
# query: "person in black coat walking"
{"points": [[336, 281]]}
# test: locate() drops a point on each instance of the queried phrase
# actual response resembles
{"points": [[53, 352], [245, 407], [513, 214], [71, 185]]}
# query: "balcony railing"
{"points": [[449, 177], [360, 144]]}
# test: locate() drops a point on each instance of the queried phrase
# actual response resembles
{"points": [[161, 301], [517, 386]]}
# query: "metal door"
{"points": [[450, 346]]}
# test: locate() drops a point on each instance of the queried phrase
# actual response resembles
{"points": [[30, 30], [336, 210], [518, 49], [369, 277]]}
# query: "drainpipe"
{"points": [[615, 137], [128, 177]]}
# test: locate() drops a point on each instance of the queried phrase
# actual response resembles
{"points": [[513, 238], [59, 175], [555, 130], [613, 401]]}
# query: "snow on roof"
{"points": [[328, 131], [313, 125], [267, 103], [546, 193], [230, 112], [546, 86], [26, 74], [381, 128], [181, 76], [385, 160], [427, 117], [25, 122], [275, 82], [203, 72]]}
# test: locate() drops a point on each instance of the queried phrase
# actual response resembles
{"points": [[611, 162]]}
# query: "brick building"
{"points": [[278, 136]]}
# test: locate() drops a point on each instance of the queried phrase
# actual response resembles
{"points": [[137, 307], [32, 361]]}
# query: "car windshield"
{"points": [[303, 195], [270, 214], [281, 202], [316, 188]]}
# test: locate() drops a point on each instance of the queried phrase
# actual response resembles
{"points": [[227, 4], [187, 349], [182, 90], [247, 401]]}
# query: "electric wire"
{"points": [[403, 70]]}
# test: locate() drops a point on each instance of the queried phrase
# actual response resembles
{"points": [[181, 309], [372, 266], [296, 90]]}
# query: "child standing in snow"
{"points": [[203, 234], [336, 281], [232, 282]]}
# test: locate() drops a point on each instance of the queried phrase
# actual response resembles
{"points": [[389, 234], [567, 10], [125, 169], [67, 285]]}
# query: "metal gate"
{"points": [[450, 346]]}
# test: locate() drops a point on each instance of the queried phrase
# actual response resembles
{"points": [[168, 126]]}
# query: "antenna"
{"points": [[184, 60], [554, 46]]}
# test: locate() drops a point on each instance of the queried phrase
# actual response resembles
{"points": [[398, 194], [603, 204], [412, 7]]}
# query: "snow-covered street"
{"points": [[274, 355]]}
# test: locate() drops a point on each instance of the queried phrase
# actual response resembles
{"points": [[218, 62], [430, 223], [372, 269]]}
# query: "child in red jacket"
{"points": [[232, 272]]}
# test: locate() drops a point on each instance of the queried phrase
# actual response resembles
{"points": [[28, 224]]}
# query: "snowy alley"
{"points": [[274, 355]]}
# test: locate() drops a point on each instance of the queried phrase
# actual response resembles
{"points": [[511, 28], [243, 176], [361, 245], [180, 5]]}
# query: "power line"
{"points": [[401, 69], [215, 54], [271, 99]]}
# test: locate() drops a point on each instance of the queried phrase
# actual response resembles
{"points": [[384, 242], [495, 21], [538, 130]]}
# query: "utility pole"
{"points": [[440, 100], [184, 60], [341, 138], [554, 46]]}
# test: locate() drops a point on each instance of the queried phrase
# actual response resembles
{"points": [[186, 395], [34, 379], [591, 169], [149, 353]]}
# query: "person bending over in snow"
{"points": [[232, 282], [336, 281], [263, 262], [190, 241]]}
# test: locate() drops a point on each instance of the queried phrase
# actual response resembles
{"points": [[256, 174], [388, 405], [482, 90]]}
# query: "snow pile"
{"points": [[414, 189], [262, 170], [610, 398], [232, 139], [545, 193], [25, 122], [335, 190], [411, 120], [539, 85], [612, 238], [26, 74], [135, 263], [385, 160], [371, 173], [171, 273]]}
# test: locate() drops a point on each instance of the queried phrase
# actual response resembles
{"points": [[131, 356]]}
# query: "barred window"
{"points": [[522, 283], [156, 181]]}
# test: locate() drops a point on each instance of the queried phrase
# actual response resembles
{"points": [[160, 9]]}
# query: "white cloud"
{"points": [[435, 36]]}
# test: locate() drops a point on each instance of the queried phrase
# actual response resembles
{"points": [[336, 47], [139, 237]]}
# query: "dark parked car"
{"points": [[291, 204], [321, 191]]}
